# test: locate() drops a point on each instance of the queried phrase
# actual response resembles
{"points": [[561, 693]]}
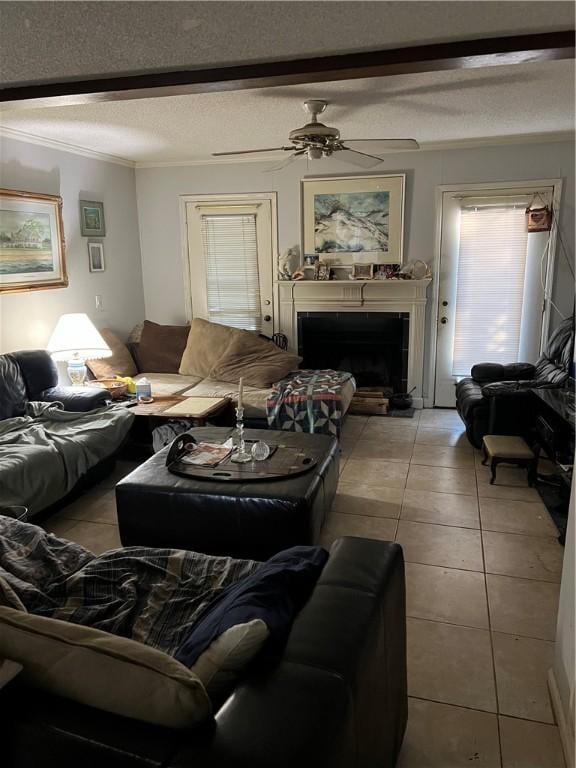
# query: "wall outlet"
{"points": [[99, 303]]}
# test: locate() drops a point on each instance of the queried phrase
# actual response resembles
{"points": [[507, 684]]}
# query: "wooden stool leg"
{"points": [[493, 465], [484, 454]]}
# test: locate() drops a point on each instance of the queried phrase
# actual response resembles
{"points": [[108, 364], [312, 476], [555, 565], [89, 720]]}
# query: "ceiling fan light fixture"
{"points": [[314, 153]]}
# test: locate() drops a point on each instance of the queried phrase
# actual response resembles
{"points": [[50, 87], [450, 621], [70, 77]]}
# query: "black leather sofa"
{"points": [[496, 399], [31, 375], [337, 697]]}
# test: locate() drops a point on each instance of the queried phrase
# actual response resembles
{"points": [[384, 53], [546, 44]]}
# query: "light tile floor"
{"points": [[482, 570]]}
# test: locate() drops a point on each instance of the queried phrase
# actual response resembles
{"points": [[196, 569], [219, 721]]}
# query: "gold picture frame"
{"points": [[32, 246], [354, 219], [362, 271]]}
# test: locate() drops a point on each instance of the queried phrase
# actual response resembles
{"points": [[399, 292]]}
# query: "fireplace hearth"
{"points": [[373, 346]]}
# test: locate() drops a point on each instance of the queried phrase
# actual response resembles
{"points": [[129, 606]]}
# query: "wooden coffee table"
{"points": [[151, 415], [182, 407]]}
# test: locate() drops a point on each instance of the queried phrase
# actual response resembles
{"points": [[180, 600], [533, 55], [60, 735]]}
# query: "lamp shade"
{"points": [[76, 336]]}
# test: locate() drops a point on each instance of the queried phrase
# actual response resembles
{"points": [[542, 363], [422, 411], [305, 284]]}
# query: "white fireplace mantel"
{"points": [[359, 296]]}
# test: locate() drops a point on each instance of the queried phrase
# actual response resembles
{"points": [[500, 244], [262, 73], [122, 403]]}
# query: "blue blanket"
{"points": [[275, 593]]}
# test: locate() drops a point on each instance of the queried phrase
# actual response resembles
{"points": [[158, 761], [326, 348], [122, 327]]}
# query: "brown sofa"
{"points": [[157, 352]]}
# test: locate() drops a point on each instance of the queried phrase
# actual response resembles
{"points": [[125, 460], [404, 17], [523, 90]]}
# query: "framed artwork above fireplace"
{"points": [[350, 220]]}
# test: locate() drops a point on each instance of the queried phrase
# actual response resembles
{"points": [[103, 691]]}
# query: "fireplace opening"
{"points": [[373, 346]]}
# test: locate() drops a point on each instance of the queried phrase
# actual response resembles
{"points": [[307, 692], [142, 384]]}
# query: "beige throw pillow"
{"points": [[223, 662], [103, 670], [259, 362], [121, 362], [205, 346]]}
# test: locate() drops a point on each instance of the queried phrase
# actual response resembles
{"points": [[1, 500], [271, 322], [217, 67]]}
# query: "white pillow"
{"points": [[220, 665], [103, 670]]}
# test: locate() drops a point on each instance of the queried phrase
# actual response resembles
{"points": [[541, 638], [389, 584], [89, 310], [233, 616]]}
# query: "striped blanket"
{"points": [[308, 401], [153, 596]]}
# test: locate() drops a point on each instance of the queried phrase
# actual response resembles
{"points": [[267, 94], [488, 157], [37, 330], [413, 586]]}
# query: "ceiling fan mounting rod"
{"points": [[315, 107]]}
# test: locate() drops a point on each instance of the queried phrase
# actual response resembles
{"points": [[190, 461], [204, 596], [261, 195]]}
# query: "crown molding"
{"points": [[493, 141], [425, 146], [64, 146]]}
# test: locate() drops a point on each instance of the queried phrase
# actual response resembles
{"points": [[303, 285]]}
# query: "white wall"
{"points": [[27, 319], [564, 673], [158, 191]]}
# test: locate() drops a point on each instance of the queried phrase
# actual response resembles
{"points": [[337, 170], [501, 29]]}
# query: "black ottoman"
{"points": [[246, 520]]}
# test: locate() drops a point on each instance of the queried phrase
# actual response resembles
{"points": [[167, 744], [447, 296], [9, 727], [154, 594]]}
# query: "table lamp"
{"points": [[75, 339]]}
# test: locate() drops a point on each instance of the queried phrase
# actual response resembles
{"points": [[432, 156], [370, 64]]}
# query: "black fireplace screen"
{"points": [[371, 345]]}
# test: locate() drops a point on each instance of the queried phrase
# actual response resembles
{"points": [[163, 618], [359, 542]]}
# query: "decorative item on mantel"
{"points": [[386, 272], [362, 272], [416, 270], [288, 263]]}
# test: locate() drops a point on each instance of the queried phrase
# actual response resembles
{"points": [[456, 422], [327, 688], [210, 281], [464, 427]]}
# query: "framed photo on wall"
{"points": [[32, 251], [354, 219], [92, 219], [96, 257]]}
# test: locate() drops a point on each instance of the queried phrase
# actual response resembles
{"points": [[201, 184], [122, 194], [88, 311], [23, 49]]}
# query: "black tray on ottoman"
{"points": [[248, 520]]}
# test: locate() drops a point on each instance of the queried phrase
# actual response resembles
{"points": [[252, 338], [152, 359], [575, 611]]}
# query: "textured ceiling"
{"points": [[54, 40], [430, 107]]}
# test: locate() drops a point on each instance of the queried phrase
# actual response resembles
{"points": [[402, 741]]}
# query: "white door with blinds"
{"points": [[230, 256], [492, 278]]}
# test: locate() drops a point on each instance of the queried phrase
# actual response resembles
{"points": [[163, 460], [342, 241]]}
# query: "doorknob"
{"points": [[444, 320], [267, 318]]}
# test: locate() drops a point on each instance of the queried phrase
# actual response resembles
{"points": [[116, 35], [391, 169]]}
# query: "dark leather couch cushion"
{"points": [[468, 396], [38, 370], [12, 388], [485, 373]]}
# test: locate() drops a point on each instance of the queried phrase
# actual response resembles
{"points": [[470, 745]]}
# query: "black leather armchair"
{"points": [[495, 399], [337, 697], [32, 375]]}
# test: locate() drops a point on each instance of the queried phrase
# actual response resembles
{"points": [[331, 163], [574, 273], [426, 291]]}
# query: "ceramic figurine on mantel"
{"points": [[288, 263], [416, 270]]}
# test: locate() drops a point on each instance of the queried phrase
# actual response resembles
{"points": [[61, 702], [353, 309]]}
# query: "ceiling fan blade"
{"points": [[360, 159], [384, 145], [290, 159], [252, 151]]}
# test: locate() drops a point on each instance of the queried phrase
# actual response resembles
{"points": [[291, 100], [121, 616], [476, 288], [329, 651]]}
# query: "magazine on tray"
{"points": [[207, 454]]}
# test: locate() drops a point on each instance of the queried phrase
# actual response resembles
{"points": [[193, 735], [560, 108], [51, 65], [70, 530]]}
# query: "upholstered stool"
{"points": [[509, 449]]}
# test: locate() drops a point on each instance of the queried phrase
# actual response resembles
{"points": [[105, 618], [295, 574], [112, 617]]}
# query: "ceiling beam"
{"points": [[467, 54]]}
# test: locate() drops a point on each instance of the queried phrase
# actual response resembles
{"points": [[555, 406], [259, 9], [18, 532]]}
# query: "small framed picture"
{"points": [[321, 271], [362, 271], [311, 259], [96, 257], [92, 219]]}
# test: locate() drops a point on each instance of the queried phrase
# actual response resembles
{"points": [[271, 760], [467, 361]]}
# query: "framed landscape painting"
{"points": [[354, 219], [32, 253]]}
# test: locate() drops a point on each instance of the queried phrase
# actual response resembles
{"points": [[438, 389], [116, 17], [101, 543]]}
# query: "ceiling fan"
{"points": [[316, 140]]}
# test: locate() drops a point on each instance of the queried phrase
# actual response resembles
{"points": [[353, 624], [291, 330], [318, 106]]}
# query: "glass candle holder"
{"points": [[240, 455]]}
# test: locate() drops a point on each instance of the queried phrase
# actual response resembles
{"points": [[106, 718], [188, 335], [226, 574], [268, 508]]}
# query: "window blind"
{"points": [[490, 285], [230, 248]]}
